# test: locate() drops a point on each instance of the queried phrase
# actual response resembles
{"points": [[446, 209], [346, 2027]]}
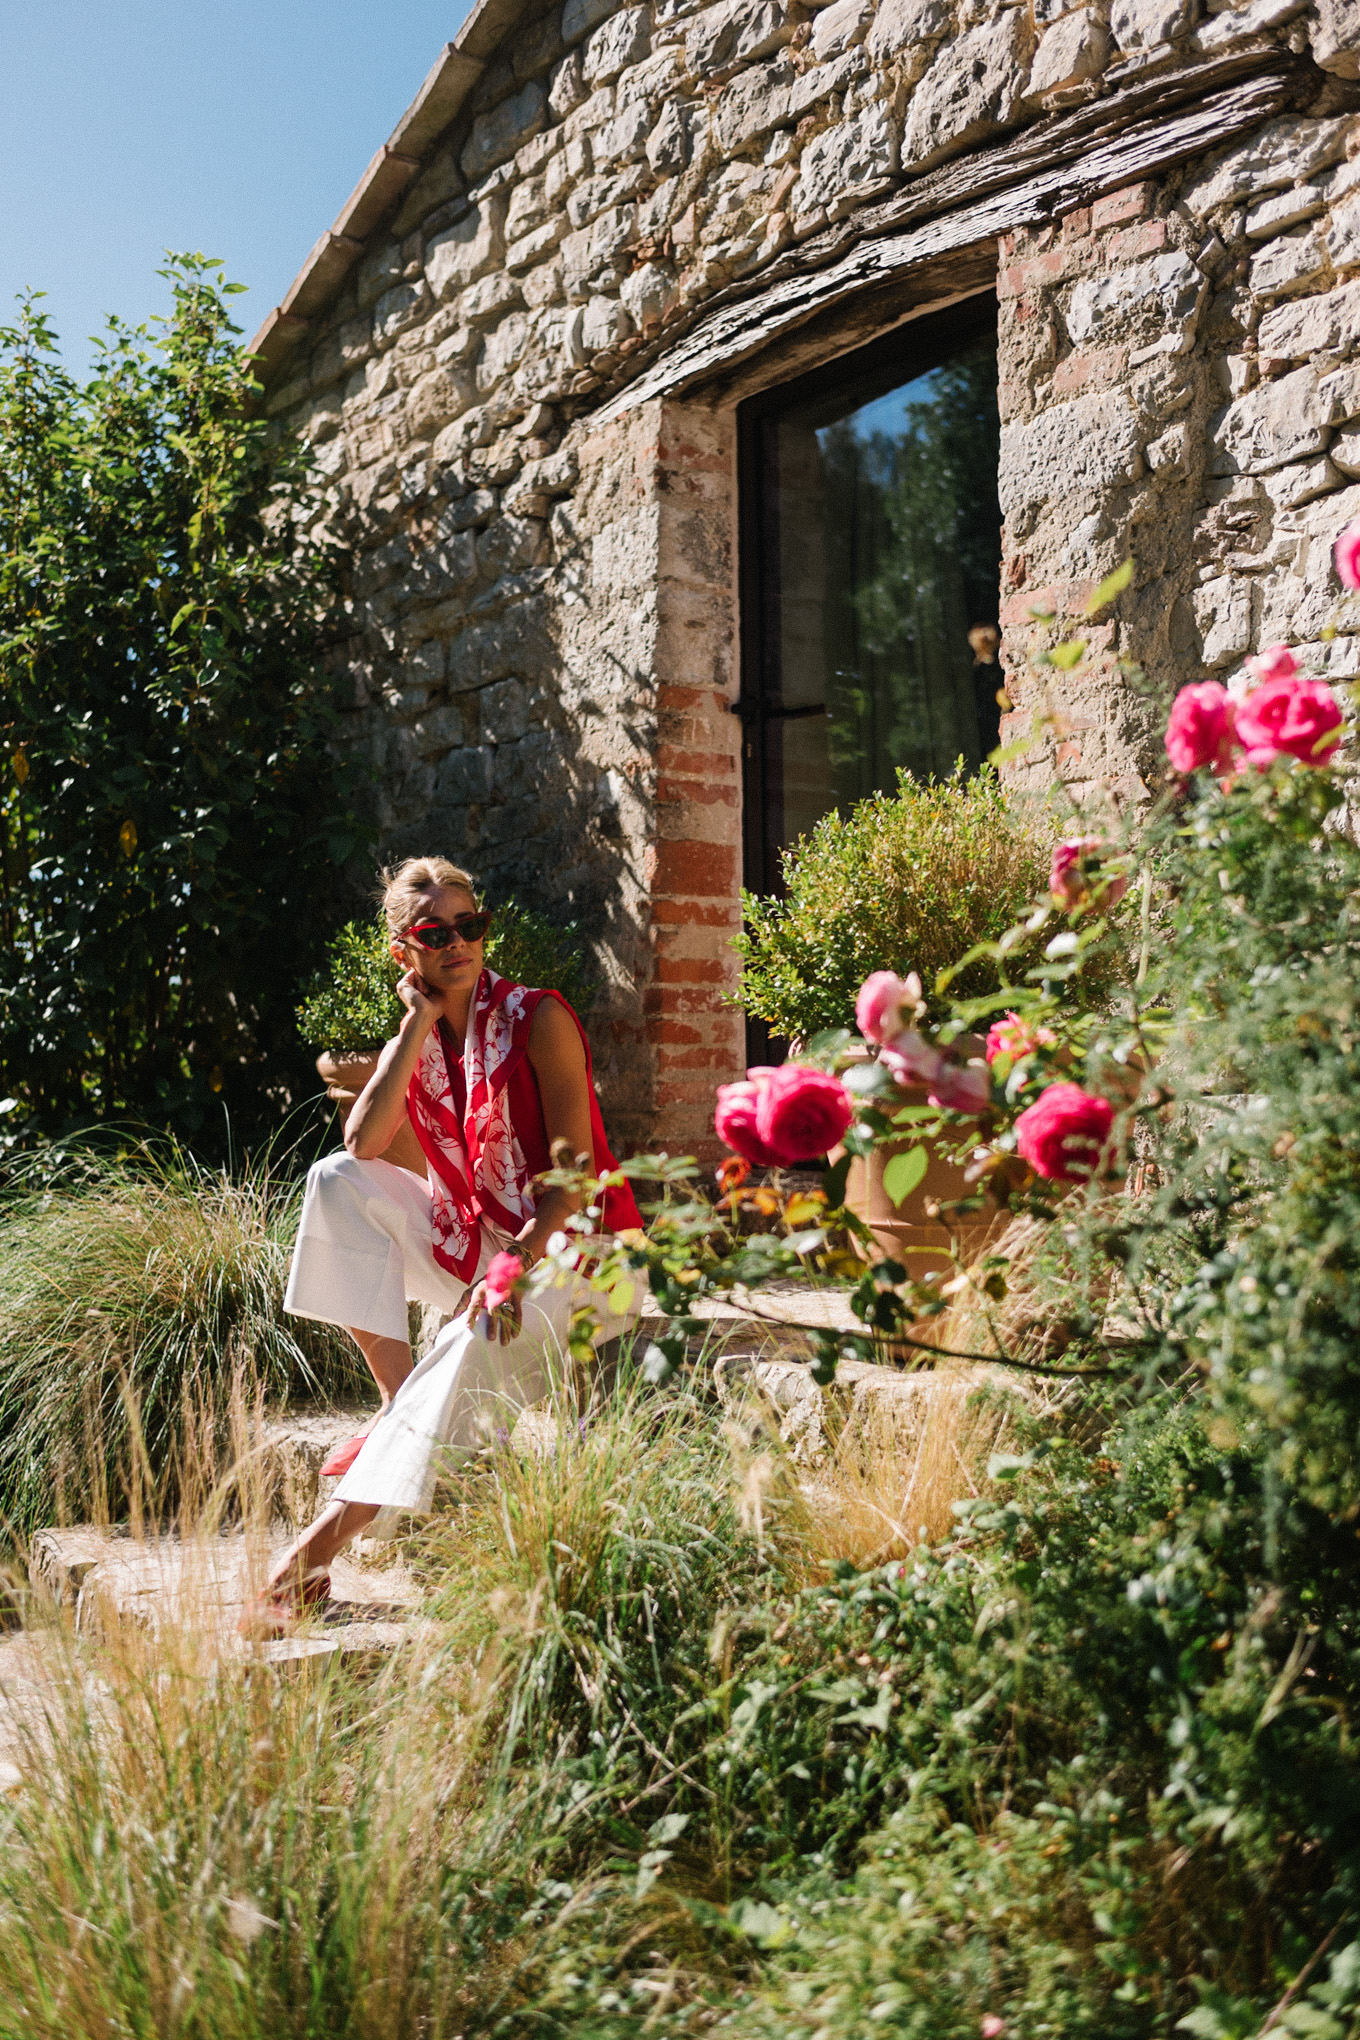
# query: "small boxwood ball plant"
{"points": [[907, 881]]}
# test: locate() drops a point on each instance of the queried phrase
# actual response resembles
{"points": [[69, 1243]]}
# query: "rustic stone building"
{"points": [[629, 351]]}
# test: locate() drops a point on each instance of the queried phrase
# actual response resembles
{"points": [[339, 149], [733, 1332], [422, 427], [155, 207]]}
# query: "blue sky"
{"points": [[139, 125]]}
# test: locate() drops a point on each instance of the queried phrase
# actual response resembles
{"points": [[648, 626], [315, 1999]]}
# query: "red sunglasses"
{"points": [[439, 934]]}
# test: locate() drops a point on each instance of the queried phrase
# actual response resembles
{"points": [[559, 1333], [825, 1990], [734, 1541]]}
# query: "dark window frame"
{"points": [[883, 364]]}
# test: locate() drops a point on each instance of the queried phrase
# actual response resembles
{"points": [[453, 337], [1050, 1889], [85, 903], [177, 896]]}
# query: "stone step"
{"points": [[110, 1576], [29, 1666], [198, 1587], [294, 1445], [862, 1396]]}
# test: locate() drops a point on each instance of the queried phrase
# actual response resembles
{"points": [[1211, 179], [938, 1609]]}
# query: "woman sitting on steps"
{"points": [[492, 1074]]}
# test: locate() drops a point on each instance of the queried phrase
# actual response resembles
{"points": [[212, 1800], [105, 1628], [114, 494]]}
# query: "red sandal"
{"points": [[282, 1605], [344, 1456]]}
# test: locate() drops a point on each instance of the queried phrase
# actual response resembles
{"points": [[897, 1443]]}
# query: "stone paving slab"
{"points": [[206, 1581], [780, 1305]]}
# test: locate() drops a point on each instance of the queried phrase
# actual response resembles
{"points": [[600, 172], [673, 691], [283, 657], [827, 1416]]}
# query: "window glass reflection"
{"points": [[878, 538]]}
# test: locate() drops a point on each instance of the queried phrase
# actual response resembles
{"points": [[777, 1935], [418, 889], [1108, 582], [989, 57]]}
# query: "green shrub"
{"points": [[171, 809], [352, 1004], [906, 881]]}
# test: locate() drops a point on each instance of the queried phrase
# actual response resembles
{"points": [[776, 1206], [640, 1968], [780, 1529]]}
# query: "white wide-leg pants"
{"points": [[363, 1248]]}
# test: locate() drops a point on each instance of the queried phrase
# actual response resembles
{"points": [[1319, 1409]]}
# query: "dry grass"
{"points": [[202, 1848], [197, 1842], [1051, 1278], [865, 1470], [897, 1468]]}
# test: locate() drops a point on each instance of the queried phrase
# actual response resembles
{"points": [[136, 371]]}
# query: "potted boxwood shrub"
{"points": [[905, 881], [351, 1007]]}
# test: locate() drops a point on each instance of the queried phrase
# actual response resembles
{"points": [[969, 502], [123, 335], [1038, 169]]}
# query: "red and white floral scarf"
{"points": [[481, 1165], [476, 1164]]}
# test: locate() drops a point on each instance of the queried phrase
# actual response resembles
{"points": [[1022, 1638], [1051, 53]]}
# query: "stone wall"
{"points": [[543, 607], [1181, 382]]}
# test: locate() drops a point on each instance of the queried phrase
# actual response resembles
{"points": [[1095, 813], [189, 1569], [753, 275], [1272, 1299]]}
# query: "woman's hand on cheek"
{"points": [[415, 995]]}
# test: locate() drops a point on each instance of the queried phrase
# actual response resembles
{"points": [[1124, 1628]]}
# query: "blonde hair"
{"points": [[406, 886]]}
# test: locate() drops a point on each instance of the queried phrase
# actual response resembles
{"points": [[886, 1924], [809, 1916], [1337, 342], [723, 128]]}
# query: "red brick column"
{"points": [[696, 860]]}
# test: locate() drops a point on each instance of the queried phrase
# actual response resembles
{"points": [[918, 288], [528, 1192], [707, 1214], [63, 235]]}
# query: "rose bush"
{"points": [[1292, 717], [1346, 554], [962, 1087], [1201, 730], [502, 1274], [1078, 876], [1017, 1038], [1065, 1134], [886, 1003], [1276, 662], [800, 1113], [1135, 1651], [1288, 715], [780, 1117], [735, 1119]]}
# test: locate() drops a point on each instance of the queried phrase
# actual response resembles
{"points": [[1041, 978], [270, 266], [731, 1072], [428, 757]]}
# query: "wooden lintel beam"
{"points": [[987, 202]]}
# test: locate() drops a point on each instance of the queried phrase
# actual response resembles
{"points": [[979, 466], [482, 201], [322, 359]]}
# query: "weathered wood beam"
{"points": [[991, 196]]}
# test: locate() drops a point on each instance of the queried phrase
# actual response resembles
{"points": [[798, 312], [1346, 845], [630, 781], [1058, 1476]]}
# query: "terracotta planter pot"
{"points": [[905, 1232], [344, 1077]]}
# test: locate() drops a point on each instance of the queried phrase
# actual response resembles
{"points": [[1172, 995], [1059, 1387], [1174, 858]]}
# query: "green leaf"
{"points": [[1007, 754], [667, 1829], [1067, 655], [759, 1922], [829, 1041], [1113, 584], [903, 1172], [865, 1080], [657, 1365], [834, 1181]]}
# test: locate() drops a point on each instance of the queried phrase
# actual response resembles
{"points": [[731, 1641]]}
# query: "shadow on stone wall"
{"points": [[502, 723]]}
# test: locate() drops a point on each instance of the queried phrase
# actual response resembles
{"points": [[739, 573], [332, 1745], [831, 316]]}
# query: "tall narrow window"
{"points": [[871, 547]]}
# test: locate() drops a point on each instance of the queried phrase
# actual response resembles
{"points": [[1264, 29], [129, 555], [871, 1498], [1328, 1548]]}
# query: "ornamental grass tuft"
{"points": [[153, 1285]]}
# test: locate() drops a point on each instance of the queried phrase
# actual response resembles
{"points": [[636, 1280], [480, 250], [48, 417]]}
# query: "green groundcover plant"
{"points": [[171, 811], [911, 880], [352, 1004]]}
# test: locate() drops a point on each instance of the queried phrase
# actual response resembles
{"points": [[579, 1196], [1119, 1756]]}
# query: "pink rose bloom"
{"points": [[735, 1118], [1016, 1038], [1301, 718], [1276, 662], [962, 1087], [992, 2026], [501, 1277], [1064, 1132], [801, 1113], [1075, 879], [1346, 553], [1200, 728], [911, 1058], [882, 996]]}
